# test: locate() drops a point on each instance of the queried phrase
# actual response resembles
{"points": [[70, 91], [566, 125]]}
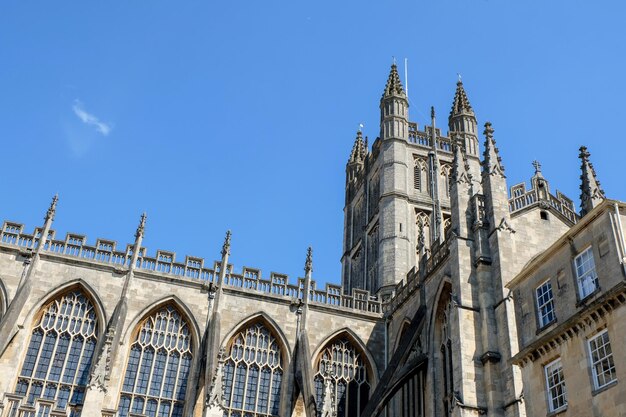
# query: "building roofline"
{"points": [[573, 231]]}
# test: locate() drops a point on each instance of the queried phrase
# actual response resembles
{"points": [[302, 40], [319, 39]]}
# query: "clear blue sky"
{"points": [[214, 115]]}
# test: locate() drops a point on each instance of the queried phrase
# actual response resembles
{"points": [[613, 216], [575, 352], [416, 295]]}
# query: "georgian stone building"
{"points": [[423, 323]]}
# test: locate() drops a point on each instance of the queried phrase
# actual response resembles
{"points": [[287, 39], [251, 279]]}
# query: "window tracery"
{"points": [[253, 373], [343, 367], [155, 383], [59, 355]]}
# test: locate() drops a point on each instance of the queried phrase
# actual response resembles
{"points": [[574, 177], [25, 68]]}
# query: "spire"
{"points": [[394, 85], [358, 149], [492, 163], [461, 103], [591, 193]]}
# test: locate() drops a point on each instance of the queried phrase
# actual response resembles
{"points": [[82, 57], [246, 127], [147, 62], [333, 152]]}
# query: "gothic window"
{"points": [[342, 370], [447, 370], [445, 177], [59, 355], [158, 366], [253, 373]]}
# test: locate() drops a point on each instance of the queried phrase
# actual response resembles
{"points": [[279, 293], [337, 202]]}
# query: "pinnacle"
{"points": [[358, 149], [461, 103], [591, 193], [394, 85], [492, 163]]}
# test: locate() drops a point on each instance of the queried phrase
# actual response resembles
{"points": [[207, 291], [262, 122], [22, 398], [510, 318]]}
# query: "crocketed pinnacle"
{"points": [[591, 193], [461, 103], [308, 264], [226, 245], [460, 171], [52, 209], [492, 163], [358, 149], [142, 226], [394, 85]]}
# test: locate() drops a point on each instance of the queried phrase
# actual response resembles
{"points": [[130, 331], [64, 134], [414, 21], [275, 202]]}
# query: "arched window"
{"points": [[344, 367], [57, 362], [253, 373], [447, 370], [155, 383], [417, 177]]}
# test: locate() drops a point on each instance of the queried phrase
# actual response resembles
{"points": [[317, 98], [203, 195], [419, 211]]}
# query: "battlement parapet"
{"points": [[424, 138], [164, 262]]}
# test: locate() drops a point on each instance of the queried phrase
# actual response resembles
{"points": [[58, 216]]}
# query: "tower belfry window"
{"points": [[417, 177]]}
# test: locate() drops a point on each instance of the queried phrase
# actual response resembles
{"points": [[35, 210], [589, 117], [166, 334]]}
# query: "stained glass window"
{"points": [[158, 366], [59, 355], [253, 373], [344, 367]]}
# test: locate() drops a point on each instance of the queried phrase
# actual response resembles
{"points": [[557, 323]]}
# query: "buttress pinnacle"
{"points": [[591, 193], [492, 163]]}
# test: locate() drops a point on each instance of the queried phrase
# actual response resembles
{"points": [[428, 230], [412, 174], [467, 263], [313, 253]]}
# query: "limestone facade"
{"points": [[433, 317]]}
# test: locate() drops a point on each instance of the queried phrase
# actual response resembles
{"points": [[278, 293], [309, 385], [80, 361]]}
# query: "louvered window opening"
{"points": [[58, 359], [345, 367], [155, 383], [253, 374]]}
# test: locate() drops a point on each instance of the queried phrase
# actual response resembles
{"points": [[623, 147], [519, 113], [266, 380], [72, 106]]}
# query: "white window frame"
{"points": [[544, 319], [586, 276], [604, 361], [555, 381]]}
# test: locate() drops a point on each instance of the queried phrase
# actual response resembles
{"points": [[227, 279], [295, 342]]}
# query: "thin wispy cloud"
{"points": [[89, 119]]}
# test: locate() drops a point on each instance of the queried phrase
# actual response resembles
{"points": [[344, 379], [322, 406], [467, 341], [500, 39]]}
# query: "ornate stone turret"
{"points": [[591, 193], [462, 121], [357, 158], [394, 115], [395, 216]]}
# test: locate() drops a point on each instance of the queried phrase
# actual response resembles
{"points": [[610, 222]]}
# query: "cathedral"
{"points": [[460, 295]]}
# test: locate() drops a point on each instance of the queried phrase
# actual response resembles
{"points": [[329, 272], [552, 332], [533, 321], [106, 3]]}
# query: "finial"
{"points": [[53, 208], [142, 225], [432, 112], [360, 127], [394, 60], [459, 75], [584, 153], [537, 166], [226, 246], [488, 131], [308, 264]]}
